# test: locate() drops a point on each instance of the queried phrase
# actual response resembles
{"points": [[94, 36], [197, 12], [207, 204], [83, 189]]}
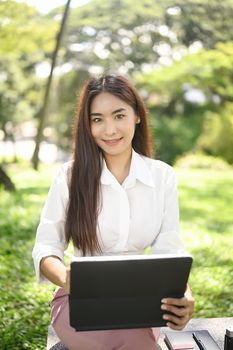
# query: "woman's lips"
{"points": [[113, 142]]}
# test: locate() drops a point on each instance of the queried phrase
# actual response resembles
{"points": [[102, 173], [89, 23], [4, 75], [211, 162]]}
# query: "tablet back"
{"points": [[125, 291]]}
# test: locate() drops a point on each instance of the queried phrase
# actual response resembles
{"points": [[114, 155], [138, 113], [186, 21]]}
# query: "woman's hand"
{"points": [[182, 308]]}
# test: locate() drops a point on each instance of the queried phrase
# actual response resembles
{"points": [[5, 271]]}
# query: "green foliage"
{"points": [[173, 136], [24, 31], [14, 109], [118, 28], [201, 161], [133, 36], [126, 36], [217, 136], [208, 73], [206, 223], [130, 32], [208, 70], [27, 39], [62, 114], [202, 21]]}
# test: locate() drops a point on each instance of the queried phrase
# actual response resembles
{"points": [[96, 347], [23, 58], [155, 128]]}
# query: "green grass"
{"points": [[24, 306], [206, 223], [207, 226]]}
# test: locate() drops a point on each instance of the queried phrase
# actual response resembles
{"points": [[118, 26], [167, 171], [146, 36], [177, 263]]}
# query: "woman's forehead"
{"points": [[107, 102]]}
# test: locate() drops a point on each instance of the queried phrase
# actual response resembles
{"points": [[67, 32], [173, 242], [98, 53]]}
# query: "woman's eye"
{"points": [[96, 120], [120, 116]]}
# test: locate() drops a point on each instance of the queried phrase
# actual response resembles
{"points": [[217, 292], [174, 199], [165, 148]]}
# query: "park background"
{"points": [[179, 54]]}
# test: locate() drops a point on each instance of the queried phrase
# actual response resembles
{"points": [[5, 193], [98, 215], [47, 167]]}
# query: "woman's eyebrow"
{"points": [[95, 114], [114, 112], [118, 110]]}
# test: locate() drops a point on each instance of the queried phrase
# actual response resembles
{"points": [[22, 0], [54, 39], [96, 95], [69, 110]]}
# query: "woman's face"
{"points": [[112, 124]]}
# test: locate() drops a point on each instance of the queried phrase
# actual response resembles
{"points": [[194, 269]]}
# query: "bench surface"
{"points": [[216, 327]]}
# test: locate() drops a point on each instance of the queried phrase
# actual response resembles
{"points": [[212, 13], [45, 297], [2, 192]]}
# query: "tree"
{"points": [[131, 36], [35, 158], [6, 181], [25, 41], [208, 22], [193, 96]]}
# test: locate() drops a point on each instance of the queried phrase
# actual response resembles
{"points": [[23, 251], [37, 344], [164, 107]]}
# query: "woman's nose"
{"points": [[110, 128]]}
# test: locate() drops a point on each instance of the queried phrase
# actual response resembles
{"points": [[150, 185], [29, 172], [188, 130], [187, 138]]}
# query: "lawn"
{"points": [[206, 223]]}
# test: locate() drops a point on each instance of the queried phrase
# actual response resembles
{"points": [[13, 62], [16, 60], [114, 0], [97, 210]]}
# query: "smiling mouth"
{"points": [[113, 142]]}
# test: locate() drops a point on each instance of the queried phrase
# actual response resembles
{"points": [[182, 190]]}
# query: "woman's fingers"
{"points": [[180, 302], [175, 322], [181, 309]]}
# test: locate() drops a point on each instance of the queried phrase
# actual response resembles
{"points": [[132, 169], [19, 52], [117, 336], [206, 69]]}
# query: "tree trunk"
{"points": [[6, 181], [42, 116]]}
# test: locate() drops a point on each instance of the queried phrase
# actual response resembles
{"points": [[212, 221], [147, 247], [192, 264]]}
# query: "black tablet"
{"points": [[112, 292]]}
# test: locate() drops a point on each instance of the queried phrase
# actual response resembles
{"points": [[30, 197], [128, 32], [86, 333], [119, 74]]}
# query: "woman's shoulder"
{"points": [[156, 164], [160, 171], [67, 166], [64, 171]]}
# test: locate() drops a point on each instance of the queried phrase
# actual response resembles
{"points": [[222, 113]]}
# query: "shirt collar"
{"points": [[107, 177], [139, 170]]}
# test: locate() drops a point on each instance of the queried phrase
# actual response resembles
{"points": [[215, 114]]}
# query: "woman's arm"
{"points": [[50, 237], [169, 239], [56, 272], [182, 308]]}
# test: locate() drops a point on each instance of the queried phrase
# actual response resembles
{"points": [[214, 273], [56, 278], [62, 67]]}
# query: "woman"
{"points": [[113, 198]]}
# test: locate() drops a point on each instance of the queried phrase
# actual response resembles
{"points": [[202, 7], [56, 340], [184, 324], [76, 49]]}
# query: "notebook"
{"points": [[113, 292], [185, 340]]}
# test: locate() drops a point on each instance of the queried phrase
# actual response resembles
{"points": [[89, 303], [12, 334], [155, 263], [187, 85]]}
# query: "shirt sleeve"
{"points": [[50, 236], [169, 238]]}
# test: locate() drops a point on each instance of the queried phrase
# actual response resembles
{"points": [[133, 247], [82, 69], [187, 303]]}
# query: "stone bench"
{"points": [[215, 326]]}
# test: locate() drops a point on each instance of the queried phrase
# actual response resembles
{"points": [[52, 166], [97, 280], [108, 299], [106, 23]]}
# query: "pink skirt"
{"points": [[122, 339]]}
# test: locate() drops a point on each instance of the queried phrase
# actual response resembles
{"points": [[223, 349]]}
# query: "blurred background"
{"points": [[179, 54]]}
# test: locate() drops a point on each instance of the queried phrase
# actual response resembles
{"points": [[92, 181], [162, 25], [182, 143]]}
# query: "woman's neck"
{"points": [[119, 165]]}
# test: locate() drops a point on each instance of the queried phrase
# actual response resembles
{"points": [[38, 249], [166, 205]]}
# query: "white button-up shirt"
{"points": [[140, 212]]}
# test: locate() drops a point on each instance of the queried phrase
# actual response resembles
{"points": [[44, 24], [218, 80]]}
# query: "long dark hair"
{"points": [[84, 186]]}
